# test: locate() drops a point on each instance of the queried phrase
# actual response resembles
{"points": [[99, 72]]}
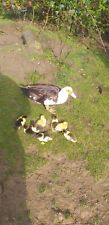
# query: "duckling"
{"points": [[54, 122], [61, 126], [20, 121], [28, 130], [31, 129], [43, 137], [41, 122], [68, 136], [58, 126], [34, 127]]}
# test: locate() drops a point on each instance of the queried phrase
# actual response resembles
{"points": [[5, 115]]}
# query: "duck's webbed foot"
{"points": [[51, 109]]}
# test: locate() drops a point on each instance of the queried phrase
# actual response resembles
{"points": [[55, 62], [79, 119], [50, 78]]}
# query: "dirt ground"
{"points": [[16, 59], [62, 191], [67, 194]]}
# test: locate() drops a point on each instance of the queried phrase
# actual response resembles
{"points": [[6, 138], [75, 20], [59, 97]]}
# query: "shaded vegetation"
{"points": [[10, 107], [80, 17], [12, 155]]}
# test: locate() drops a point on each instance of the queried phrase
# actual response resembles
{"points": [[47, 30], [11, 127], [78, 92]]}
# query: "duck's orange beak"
{"points": [[73, 95]]}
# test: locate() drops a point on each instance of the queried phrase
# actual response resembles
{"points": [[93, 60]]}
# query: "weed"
{"points": [[83, 202], [97, 220], [42, 187], [67, 213], [33, 77]]}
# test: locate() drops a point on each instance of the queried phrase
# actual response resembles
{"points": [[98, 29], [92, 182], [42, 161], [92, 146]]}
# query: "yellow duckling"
{"points": [[20, 121], [41, 122], [61, 126], [58, 126], [43, 137], [68, 136]]}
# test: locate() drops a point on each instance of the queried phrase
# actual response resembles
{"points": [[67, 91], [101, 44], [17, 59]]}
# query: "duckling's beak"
{"points": [[73, 95]]}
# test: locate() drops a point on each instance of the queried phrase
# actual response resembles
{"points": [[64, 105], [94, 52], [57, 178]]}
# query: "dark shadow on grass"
{"points": [[13, 209]]}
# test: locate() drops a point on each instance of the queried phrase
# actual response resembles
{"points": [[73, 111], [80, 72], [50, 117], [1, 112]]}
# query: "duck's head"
{"points": [[54, 119], [66, 132], [69, 91], [24, 117]]}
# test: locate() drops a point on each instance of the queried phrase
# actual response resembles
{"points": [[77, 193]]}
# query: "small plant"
{"points": [[97, 220], [42, 187], [83, 202], [67, 213], [55, 176], [33, 78]]}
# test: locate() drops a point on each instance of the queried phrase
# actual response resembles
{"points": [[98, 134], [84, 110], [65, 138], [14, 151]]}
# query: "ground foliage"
{"points": [[80, 17]]}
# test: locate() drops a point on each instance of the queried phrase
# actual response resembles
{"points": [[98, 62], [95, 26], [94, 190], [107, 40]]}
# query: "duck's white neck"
{"points": [[62, 96]]}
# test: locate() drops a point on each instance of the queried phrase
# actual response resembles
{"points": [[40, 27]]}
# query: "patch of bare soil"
{"points": [[63, 192], [18, 67], [16, 58], [9, 34], [59, 49], [18, 48]]}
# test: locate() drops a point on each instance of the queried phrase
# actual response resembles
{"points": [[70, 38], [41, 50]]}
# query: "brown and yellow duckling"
{"points": [[54, 122], [20, 121], [31, 129], [61, 126], [69, 137], [28, 130], [58, 126], [41, 122], [43, 137]]}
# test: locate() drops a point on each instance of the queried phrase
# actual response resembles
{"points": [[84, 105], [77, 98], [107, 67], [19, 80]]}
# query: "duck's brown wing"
{"points": [[43, 91]]}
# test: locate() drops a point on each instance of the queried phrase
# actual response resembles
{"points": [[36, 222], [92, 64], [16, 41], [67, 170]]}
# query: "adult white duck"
{"points": [[47, 94]]}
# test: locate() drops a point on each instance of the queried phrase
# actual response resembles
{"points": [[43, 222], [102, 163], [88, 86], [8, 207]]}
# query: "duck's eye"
{"points": [[69, 92]]}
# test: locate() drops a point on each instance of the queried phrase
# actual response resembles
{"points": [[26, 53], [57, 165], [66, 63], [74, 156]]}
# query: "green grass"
{"points": [[5, 21], [31, 27], [87, 115], [46, 55], [33, 78], [12, 104], [32, 162]]}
